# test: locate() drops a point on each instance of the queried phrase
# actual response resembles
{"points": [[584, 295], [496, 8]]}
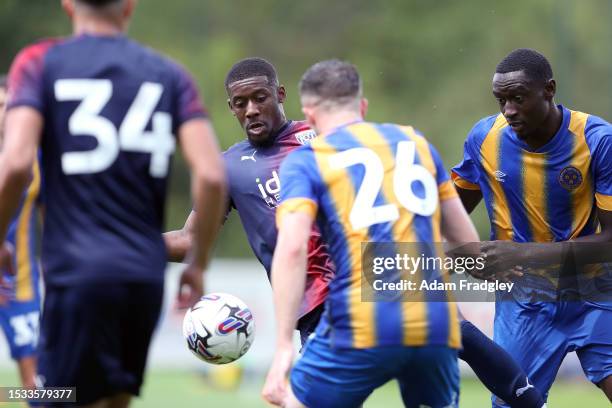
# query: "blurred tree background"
{"points": [[424, 63]]}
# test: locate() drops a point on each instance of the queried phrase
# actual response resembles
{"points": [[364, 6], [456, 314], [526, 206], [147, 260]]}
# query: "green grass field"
{"points": [[184, 390]]}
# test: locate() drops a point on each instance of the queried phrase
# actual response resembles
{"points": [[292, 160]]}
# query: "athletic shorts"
{"points": [[327, 377], [20, 321], [308, 323], [539, 335], [96, 337]]}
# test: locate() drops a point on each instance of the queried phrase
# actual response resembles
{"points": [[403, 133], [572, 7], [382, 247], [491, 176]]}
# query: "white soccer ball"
{"points": [[219, 328]]}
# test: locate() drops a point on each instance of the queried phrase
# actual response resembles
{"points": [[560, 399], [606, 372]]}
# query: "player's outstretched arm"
{"points": [[208, 185], [288, 282], [178, 242]]}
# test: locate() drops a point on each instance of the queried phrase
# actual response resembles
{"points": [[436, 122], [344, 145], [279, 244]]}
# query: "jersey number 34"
{"points": [[131, 136]]}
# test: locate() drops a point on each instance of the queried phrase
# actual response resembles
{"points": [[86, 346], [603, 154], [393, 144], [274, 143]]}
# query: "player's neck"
{"points": [[98, 26], [549, 129], [326, 122]]}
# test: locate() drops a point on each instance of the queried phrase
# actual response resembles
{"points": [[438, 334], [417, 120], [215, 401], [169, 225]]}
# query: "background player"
{"points": [[360, 345], [256, 98], [20, 298], [105, 111], [545, 173]]}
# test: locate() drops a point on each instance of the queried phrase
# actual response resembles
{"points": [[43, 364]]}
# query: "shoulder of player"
{"points": [[596, 130], [36, 51]]}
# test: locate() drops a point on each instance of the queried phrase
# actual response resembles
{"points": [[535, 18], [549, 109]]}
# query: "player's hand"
{"points": [[6, 267], [503, 260], [191, 286], [275, 388]]}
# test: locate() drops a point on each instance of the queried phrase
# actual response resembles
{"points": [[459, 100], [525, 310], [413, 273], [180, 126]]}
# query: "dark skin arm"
{"points": [[589, 249], [178, 242], [507, 254], [469, 198]]}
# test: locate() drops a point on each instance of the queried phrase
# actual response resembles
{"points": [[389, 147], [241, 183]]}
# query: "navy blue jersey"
{"points": [[111, 111], [254, 189]]}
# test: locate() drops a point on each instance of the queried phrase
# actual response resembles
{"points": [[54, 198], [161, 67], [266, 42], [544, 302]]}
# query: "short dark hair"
{"points": [[3, 80], [98, 3], [534, 64], [332, 81], [249, 68]]}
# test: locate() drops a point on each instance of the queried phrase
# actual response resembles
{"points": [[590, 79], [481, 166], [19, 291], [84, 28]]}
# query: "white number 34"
{"points": [[364, 213], [86, 120]]}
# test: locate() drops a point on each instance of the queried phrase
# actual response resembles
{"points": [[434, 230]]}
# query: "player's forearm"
{"points": [[209, 197], [590, 249], [288, 283], [178, 243], [14, 178]]}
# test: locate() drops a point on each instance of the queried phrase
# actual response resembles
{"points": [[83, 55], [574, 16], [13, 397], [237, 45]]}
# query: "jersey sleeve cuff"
{"points": [[604, 201], [463, 183], [446, 190], [293, 205]]}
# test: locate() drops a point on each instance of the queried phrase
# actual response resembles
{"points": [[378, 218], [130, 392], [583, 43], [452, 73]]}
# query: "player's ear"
{"points": [[281, 93], [309, 116], [129, 8], [68, 7], [363, 107], [550, 88]]}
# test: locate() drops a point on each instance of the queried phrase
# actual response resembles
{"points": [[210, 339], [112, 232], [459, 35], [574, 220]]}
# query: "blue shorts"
{"points": [[19, 321], [95, 337], [539, 335], [327, 377]]}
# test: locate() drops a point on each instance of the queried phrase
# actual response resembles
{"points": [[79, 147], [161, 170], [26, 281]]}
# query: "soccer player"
{"points": [[355, 181], [19, 294], [107, 113], [256, 98], [545, 173]]}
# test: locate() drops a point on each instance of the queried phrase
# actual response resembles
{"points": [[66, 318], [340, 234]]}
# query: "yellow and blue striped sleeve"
{"points": [[298, 178], [446, 189]]}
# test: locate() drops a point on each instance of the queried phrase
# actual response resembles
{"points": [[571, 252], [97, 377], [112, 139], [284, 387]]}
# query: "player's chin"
{"points": [[259, 139]]}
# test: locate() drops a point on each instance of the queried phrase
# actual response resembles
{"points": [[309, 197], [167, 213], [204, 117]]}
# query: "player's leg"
{"points": [[325, 377], [497, 370], [291, 401], [590, 327], [527, 332], [430, 377], [27, 371], [606, 386], [94, 360], [120, 400]]}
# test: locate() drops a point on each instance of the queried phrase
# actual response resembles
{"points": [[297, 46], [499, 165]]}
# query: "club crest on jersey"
{"points": [[570, 178], [305, 136]]}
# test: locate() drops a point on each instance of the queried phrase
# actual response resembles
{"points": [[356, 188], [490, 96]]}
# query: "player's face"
{"points": [[257, 105], [524, 103]]}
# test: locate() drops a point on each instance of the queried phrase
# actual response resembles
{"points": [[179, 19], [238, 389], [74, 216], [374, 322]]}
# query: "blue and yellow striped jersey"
{"points": [[546, 195], [22, 233], [367, 182]]}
